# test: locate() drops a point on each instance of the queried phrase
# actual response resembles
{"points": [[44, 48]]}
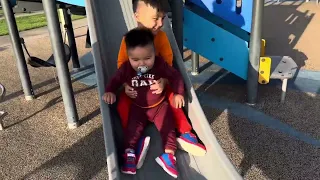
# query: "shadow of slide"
{"points": [[271, 140]]}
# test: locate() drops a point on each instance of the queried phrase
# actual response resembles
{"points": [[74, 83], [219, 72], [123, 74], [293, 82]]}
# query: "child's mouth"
{"points": [[155, 30]]}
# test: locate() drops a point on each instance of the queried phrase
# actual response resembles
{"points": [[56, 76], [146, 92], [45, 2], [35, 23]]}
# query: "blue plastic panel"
{"points": [[222, 23], [227, 10], [74, 2], [226, 50], [13, 2]]}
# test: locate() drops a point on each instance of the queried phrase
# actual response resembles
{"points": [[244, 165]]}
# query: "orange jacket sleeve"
{"points": [[165, 50], [122, 55]]}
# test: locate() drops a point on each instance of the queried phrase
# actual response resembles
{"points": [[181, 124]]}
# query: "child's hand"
{"points": [[109, 97], [178, 101], [130, 91], [158, 86]]}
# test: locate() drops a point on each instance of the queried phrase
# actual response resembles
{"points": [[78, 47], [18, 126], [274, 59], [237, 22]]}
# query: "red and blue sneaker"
{"points": [[142, 149], [168, 163], [129, 166], [189, 143]]}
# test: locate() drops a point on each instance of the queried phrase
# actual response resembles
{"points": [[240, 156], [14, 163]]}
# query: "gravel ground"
{"points": [[37, 143]]}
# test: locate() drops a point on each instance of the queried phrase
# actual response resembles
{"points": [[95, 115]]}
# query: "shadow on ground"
{"points": [[261, 148], [283, 26], [86, 155]]}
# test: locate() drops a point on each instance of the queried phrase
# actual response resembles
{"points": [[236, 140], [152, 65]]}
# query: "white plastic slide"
{"points": [[108, 21]]}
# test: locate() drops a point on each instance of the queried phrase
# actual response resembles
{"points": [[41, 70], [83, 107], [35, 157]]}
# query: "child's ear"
{"points": [[136, 16]]}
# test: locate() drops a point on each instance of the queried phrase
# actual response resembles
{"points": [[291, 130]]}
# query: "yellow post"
{"points": [[62, 22], [264, 70], [263, 48]]}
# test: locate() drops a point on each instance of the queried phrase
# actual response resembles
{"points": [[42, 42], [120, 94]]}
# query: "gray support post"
{"points": [[254, 54], [177, 22], [71, 39], [50, 9], [284, 90], [17, 49], [195, 63]]}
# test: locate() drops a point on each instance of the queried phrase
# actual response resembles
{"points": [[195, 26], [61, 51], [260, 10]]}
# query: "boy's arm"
{"points": [[172, 75], [165, 49], [117, 80], [122, 55]]}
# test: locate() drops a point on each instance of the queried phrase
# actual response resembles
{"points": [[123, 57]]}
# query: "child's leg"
{"points": [[124, 104], [123, 107], [163, 119], [180, 118], [136, 124], [187, 141]]}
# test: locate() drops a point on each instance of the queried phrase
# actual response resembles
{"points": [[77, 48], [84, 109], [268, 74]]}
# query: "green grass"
{"points": [[29, 22]]}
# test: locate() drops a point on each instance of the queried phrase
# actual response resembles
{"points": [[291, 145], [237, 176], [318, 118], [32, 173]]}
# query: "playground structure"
{"points": [[230, 28], [104, 53]]}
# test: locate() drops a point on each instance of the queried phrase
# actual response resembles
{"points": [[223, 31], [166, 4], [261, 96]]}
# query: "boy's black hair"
{"points": [[139, 37], [153, 3]]}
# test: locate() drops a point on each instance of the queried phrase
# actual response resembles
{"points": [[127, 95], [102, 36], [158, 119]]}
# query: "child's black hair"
{"points": [[153, 3], [139, 37]]}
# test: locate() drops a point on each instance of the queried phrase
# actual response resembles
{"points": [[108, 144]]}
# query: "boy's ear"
{"points": [[136, 16]]}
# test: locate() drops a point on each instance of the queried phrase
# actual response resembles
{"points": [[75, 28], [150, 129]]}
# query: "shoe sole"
{"points": [[158, 160], [128, 172], [190, 148], [144, 153]]}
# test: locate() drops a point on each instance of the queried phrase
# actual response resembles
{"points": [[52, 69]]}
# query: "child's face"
{"points": [[141, 56], [149, 17]]}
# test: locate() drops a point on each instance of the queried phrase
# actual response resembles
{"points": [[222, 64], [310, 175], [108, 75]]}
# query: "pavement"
{"points": [[266, 141], [24, 14], [39, 32]]}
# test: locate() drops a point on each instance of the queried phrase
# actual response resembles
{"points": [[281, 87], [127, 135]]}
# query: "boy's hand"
{"points": [[130, 91], [158, 86], [178, 101], [109, 97]]}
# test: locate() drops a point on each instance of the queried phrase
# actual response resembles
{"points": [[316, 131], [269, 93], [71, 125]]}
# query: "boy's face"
{"points": [[142, 56], [149, 17]]}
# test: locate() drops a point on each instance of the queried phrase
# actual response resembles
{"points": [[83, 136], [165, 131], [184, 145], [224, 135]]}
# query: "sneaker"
{"points": [[129, 166], [142, 149], [168, 163], [189, 143]]}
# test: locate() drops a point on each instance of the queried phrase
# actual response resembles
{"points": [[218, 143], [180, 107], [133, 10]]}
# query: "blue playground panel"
{"points": [[222, 23], [228, 11], [216, 44], [13, 2], [74, 2]]}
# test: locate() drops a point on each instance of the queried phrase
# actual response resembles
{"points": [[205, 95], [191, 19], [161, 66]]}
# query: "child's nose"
{"points": [[142, 63], [159, 23]]}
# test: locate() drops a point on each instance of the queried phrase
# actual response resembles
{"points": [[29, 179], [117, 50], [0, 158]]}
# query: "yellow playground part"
{"points": [[264, 70]]}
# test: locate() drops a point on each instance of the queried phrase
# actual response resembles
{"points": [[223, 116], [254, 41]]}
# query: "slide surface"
{"points": [[108, 21]]}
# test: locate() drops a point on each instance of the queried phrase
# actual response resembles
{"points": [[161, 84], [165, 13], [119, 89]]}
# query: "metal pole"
{"points": [[195, 63], [18, 51], [50, 10], [254, 54], [177, 22], [71, 39]]}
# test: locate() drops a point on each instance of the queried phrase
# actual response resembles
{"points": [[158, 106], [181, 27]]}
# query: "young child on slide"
{"points": [[150, 14], [141, 71]]}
